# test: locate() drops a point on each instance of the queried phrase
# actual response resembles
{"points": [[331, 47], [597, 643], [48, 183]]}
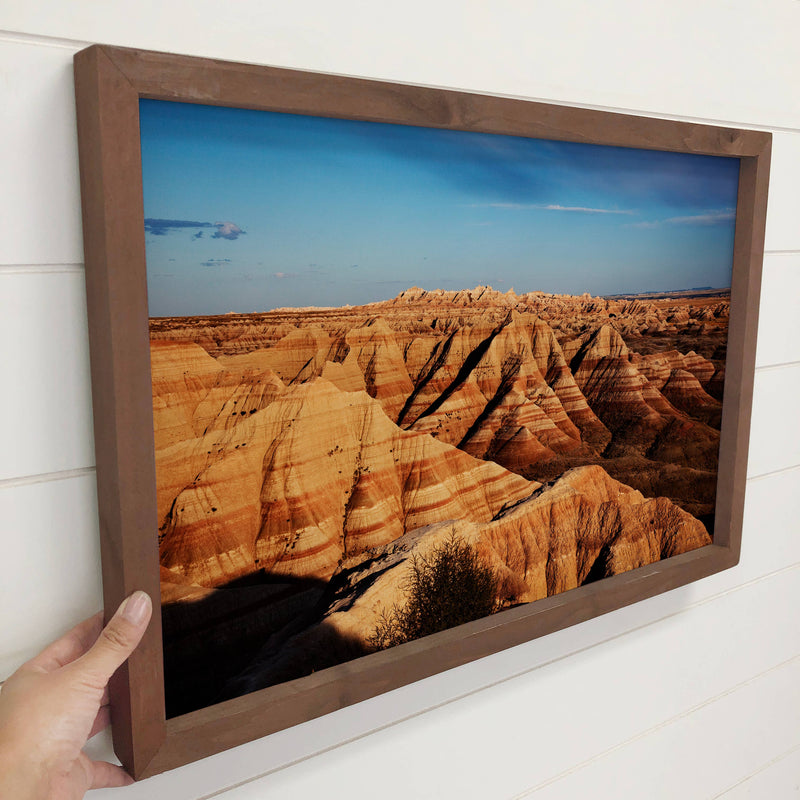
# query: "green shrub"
{"points": [[448, 587]]}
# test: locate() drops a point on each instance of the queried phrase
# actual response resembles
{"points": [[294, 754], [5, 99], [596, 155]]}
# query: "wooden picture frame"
{"points": [[110, 81]]}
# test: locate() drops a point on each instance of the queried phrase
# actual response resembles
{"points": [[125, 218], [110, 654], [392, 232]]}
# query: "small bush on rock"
{"points": [[448, 587]]}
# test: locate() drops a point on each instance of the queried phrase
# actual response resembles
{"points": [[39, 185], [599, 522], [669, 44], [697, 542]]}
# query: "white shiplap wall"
{"points": [[693, 694]]}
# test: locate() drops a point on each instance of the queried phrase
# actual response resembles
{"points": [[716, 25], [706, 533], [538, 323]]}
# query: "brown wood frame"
{"points": [[109, 82]]}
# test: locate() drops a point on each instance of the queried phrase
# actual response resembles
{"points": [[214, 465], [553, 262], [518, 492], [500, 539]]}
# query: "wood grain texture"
{"points": [[119, 345], [109, 83], [196, 80], [748, 258]]}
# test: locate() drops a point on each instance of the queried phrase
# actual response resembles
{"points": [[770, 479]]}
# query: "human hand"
{"points": [[58, 700]]}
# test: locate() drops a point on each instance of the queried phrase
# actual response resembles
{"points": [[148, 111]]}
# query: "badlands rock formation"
{"points": [[584, 527], [317, 476], [304, 455]]}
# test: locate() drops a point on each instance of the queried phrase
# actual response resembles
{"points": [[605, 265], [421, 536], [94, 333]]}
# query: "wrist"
{"points": [[20, 777]]}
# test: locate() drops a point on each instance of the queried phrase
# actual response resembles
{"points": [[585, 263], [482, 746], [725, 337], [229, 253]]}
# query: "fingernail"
{"points": [[136, 608]]}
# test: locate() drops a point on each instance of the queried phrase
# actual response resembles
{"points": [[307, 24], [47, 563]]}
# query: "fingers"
{"points": [[71, 645], [118, 639], [105, 775]]}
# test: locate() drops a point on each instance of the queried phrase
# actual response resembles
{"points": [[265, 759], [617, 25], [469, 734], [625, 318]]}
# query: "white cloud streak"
{"points": [[709, 218], [704, 219], [553, 207]]}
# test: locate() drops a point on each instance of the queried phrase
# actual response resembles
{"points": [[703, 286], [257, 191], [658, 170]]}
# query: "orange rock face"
{"points": [[685, 392], [584, 527], [374, 348], [317, 476], [633, 407], [301, 453]]}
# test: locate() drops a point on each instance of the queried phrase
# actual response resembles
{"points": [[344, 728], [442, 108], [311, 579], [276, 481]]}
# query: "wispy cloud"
{"points": [[554, 207], [712, 218], [216, 262], [707, 218], [163, 227]]}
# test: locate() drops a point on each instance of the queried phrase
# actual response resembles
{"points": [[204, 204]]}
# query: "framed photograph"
{"points": [[389, 378]]}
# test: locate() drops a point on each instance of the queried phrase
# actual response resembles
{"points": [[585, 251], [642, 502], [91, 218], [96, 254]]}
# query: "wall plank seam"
{"points": [[775, 367], [60, 475], [529, 671], [64, 474], [20, 37], [41, 40], [762, 476], [653, 729], [45, 477], [763, 768], [39, 269], [782, 365], [78, 265]]}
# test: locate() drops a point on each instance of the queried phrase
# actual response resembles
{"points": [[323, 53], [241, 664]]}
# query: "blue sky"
{"points": [[249, 211]]}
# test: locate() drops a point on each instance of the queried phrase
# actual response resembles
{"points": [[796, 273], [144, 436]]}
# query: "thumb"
{"points": [[119, 638]]}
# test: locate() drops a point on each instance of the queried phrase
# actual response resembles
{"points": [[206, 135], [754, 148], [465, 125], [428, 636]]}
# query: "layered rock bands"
{"points": [[304, 449]]}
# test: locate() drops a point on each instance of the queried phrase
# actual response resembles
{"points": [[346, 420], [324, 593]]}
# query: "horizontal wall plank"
{"points": [[501, 742], [552, 51], [51, 564], [783, 232], [775, 425], [779, 780], [769, 543], [44, 315], [40, 209], [779, 317], [697, 756], [38, 159], [46, 402]]}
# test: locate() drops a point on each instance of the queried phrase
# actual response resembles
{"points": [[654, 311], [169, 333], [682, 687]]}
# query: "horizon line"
{"points": [[314, 308]]}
